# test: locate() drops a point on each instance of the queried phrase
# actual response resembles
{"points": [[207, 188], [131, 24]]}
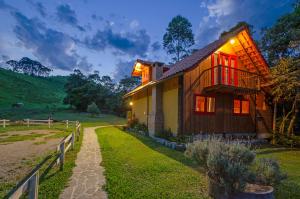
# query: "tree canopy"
{"points": [[179, 38], [29, 67], [107, 95], [283, 39]]}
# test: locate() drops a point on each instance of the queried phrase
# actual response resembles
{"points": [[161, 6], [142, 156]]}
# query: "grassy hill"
{"points": [[36, 93]]}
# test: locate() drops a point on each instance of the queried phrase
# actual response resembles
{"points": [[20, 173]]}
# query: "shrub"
{"points": [[141, 128], [199, 152], [93, 109], [165, 134], [227, 165], [268, 172], [131, 123]]}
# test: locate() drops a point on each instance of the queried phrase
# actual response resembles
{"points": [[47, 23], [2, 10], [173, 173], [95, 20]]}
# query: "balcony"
{"points": [[229, 80]]}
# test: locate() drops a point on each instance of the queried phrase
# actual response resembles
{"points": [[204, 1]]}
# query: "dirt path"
{"points": [[87, 178], [16, 157]]}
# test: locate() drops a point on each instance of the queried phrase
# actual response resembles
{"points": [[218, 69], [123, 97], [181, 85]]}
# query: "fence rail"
{"points": [[4, 122], [29, 122], [30, 184]]}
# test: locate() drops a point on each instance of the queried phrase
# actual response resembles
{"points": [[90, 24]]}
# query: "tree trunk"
{"points": [[291, 125], [274, 123], [292, 122]]}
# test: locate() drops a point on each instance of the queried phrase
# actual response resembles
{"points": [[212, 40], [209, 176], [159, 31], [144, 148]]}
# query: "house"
{"points": [[221, 88]]}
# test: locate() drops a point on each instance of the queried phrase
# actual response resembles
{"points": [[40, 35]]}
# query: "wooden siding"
{"points": [[223, 120]]}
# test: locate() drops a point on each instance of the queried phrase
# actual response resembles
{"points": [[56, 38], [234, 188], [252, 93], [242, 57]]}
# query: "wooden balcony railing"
{"points": [[229, 77]]}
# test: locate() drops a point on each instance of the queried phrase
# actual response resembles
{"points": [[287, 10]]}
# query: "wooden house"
{"points": [[219, 89]]}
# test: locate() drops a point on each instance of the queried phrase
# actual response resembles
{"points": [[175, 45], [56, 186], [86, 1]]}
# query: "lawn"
{"points": [[55, 181], [136, 167]]}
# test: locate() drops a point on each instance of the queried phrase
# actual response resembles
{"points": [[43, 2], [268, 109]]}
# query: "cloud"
{"points": [[39, 7], [134, 24], [221, 15], [123, 68], [128, 43], [5, 6], [66, 15], [156, 46], [96, 17], [48, 45]]}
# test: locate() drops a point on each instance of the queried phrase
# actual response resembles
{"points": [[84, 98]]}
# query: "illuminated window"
{"points": [[204, 104], [241, 106], [245, 107], [200, 104], [210, 104], [237, 106]]}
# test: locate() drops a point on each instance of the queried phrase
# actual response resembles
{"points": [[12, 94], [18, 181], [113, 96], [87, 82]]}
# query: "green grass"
{"points": [[136, 167], [55, 181], [34, 92], [290, 163]]}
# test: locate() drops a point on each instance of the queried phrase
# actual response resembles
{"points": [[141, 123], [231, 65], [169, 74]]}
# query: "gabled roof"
{"points": [[204, 52], [199, 55]]}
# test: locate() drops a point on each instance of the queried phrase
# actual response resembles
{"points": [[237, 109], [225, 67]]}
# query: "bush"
{"points": [[268, 172], [227, 165], [199, 152], [165, 134], [93, 109], [131, 123], [141, 128]]}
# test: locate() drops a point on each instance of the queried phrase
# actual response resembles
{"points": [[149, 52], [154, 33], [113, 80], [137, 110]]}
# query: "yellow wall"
{"points": [[139, 107], [170, 105]]}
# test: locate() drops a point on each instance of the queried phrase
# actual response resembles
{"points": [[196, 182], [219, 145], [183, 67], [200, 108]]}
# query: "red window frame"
{"points": [[241, 107], [205, 104], [230, 58]]}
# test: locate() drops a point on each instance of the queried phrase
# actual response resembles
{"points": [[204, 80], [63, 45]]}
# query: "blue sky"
{"points": [[109, 35]]}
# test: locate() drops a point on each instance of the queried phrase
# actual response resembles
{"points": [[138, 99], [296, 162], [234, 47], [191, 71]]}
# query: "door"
{"points": [[229, 69]]}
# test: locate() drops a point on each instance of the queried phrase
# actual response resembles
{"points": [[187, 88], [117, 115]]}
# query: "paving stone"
{"points": [[87, 179]]}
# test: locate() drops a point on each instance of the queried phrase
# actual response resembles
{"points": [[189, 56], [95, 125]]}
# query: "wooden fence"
{"points": [[4, 122], [30, 184], [30, 122]]}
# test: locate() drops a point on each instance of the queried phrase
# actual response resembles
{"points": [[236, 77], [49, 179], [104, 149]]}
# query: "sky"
{"points": [[109, 35]]}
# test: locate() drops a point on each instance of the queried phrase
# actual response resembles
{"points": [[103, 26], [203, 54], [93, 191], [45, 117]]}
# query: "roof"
{"points": [[199, 55], [138, 89]]}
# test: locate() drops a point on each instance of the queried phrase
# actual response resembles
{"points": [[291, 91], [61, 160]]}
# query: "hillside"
{"points": [[33, 92]]}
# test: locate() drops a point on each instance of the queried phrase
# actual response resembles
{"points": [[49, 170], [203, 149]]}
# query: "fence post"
{"points": [[4, 123], [67, 121], [27, 122], [34, 186], [49, 123], [73, 140], [62, 155]]}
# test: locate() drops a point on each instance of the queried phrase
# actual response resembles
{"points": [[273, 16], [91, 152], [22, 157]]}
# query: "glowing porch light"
{"points": [[232, 41], [138, 67], [130, 103]]}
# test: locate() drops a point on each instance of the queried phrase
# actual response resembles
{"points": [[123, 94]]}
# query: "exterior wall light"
{"points": [[232, 41], [130, 103]]}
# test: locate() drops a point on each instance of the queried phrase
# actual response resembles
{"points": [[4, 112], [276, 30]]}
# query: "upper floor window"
{"points": [[204, 104], [145, 75], [241, 106]]}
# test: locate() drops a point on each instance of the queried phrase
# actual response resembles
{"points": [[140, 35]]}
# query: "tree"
{"points": [[179, 38], [29, 67], [93, 109], [286, 79], [283, 39]]}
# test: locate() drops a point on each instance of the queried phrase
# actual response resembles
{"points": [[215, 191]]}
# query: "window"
{"points": [[204, 104], [241, 106]]}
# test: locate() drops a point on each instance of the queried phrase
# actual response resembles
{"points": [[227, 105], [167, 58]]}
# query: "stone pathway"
{"points": [[87, 178]]}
